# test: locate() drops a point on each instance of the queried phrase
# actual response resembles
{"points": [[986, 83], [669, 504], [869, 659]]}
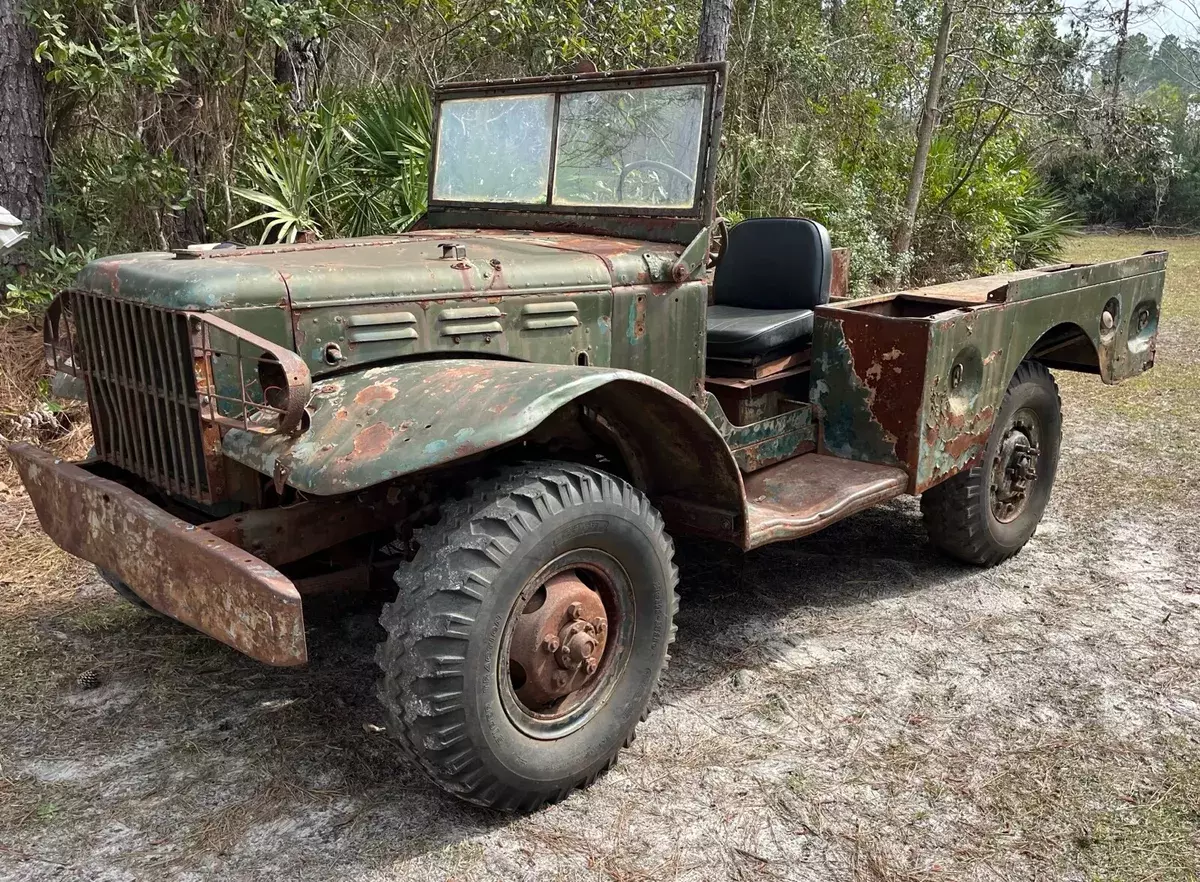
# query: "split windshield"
{"points": [[613, 147]]}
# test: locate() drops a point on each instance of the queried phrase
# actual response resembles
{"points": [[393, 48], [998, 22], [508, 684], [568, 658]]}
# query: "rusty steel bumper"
{"points": [[180, 570]]}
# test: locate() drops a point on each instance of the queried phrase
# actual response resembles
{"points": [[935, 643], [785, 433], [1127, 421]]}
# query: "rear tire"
{"points": [[986, 514], [473, 687]]}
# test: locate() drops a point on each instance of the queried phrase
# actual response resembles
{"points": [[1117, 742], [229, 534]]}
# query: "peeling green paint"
{"points": [[843, 401]]}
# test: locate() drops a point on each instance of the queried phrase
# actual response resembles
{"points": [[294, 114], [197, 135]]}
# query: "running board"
{"points": [[810, 492]]}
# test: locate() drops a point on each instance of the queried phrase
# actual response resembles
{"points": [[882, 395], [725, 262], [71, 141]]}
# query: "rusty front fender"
{"points": [[376, 425]]}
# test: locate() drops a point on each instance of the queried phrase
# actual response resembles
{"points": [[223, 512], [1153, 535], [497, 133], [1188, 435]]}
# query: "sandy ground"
{"points": [[849, 707]]}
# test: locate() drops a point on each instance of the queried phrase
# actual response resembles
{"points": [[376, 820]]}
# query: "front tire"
{"points": [[529, 634], [985, 514], [126, 592]]}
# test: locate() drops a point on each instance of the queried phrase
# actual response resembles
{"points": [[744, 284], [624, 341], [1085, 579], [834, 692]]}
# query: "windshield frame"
{"points": [[710, 76]]}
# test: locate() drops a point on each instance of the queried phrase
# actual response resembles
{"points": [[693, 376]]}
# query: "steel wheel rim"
{"points": [[1014, 467], [600, 572]]}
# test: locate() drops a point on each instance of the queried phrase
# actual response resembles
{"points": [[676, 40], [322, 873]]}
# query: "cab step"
{"points": [[810, 492]]}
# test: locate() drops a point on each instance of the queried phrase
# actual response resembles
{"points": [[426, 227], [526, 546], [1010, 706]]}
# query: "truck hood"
{"points": [[409, 266]]}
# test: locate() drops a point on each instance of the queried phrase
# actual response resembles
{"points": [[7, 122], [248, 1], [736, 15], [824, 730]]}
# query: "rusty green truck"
{"points": [[510, 409]]}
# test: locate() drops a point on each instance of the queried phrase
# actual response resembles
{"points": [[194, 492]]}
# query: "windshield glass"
{"points": [[616, 147], [494, 149], [635, 147]]}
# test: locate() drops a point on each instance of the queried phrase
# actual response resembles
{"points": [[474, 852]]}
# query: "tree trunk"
{"points": [[179, 130], [23, 156], [925, 130], [835, 15], [716, 18], [298, 66], [1118, 65]]}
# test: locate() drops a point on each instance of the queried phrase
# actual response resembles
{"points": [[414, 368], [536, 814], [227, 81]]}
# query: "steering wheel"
{"points": [[656, 166], [718, 238]]}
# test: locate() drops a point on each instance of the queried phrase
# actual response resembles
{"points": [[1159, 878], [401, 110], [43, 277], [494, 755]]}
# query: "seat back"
{"points": [[775, 263]]}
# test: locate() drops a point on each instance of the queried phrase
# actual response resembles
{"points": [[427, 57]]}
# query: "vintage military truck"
{"points": [[512, 408]]}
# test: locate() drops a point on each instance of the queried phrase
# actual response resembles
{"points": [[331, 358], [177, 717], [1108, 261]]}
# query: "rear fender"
{"points": [[922, 391], [380, 424]]}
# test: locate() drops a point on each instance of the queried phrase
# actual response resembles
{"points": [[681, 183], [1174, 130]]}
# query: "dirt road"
{"points": [[850, 707]]}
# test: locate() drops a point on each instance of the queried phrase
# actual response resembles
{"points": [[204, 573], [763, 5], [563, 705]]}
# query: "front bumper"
{"points": [[179, 569]]}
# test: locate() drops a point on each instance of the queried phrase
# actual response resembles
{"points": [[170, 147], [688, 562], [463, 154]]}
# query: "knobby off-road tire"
{"points": [[449, 659], [961, 514]]}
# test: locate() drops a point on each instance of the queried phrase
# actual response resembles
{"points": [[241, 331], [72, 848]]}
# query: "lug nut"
{"points": [[600, 625], [575, 611], [560, 679], [550, 643], [591, 666]]}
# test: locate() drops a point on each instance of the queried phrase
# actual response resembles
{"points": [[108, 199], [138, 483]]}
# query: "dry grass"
{"points": [[848, 707], [29, 562]]}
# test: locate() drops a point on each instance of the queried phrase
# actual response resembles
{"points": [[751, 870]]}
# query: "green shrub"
{"points": [[358, 167], [53, 271]]}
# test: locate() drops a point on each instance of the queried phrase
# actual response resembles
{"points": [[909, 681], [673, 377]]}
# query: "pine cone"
{"points": [[88, 680]]}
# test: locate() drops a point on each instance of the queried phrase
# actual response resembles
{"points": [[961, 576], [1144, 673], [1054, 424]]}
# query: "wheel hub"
{"points": [[558, 641], [1014, 471]]}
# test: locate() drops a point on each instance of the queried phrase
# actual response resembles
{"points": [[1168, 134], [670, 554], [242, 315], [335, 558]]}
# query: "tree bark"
{"points": [[925, 130], [179, 130], [1118, 66], [716, 19], [298, 66], [24, 162]]}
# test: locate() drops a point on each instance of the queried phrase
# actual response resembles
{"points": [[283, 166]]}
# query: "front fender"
{"points": [[375, 425]]}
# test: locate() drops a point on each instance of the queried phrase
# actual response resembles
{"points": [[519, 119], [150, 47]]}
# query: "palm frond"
{"points": [[359, 169]]}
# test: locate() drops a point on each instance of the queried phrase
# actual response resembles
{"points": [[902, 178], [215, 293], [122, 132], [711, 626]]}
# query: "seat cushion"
{"points": [[737, 332]]}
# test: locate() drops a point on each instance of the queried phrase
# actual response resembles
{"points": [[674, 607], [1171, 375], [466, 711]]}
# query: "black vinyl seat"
{"points": [[774, 271]]}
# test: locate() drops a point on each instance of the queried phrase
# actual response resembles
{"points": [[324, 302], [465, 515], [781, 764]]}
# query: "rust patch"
{"points": [[287, 534], [955, 438], [371, 441], [639, 317], [895, 394], [559, 645], [812, 491], [964, 444], [112, 269], [192, 576], [603, 247], [375, 392]]}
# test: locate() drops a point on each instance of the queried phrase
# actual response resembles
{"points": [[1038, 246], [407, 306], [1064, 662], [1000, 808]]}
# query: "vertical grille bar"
{"points": [[135, 416], [208, 400], [107, 365], [173, 446], [138, 366], [181, 360], [86, 330], [138, 320]]}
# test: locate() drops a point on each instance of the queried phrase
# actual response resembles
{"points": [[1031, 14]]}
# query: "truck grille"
{"points": [[138, 364], [164, 385]]}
